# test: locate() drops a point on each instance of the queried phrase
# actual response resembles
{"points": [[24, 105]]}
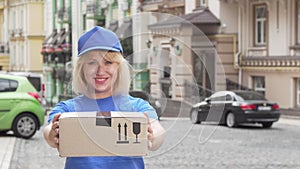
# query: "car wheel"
{"points": [[25, 125], [194, 116], [267, 124], [230, 120]]}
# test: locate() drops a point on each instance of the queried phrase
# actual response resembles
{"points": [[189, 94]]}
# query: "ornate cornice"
{"points": [[271, 61]]}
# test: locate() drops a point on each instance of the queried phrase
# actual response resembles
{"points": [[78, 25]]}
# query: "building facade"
{"points": [[228, 44], [192, 52], [22, 34], [269, 49], [255, 46]]}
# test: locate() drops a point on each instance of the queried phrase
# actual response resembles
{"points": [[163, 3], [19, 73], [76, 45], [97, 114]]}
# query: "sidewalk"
{"points": [[290, 113], [7, 143]]}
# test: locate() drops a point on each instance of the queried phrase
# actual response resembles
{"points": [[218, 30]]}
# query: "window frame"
{"points": [[12, 85], [203, 2], [257, 87], [298, 92], [260, 38], [297, 18]]}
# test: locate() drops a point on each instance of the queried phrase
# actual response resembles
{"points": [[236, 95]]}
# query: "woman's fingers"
{"points": [[55, 130], [150, 132], [56, 118]]}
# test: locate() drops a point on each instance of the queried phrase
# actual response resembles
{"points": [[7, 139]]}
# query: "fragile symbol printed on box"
{"points": [[136, 129]]}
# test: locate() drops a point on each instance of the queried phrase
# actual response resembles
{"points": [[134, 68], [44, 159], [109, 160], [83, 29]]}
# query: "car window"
{"points": [[8, 85], [36, 82], [228, 97], [34, 78], [13, 85], [218, 98], [251, 96]]}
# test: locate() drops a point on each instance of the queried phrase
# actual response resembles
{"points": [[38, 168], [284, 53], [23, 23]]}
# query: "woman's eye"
{"points": [[108, 62], [92, 63]]}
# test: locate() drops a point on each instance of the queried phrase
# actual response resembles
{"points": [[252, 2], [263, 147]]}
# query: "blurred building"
{"points": [[181, 49], [21, 34], [268, 57], [252, 44]]}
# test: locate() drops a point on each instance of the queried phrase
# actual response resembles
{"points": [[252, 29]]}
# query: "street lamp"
{"points": [[172, 42], [149, 42]]}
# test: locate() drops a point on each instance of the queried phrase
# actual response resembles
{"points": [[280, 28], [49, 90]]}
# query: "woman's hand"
{"points": [[155, 134], [51, 132]]}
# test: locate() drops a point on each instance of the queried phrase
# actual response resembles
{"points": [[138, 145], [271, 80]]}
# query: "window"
{"points": [[228, 98], [13, 85], [4, 85], [22, 56], [298, 22], [203, 2], [298, 92], [220, 98], [8, 85], [13, 59], [259, 84], [260, 25], [250, 96], [200, 3], [22, 20]]}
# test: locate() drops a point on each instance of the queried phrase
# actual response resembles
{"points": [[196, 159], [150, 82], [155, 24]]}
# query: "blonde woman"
{"points": [[101, 77]]}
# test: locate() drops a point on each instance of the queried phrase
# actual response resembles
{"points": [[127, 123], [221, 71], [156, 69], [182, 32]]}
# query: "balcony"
{"points": [[270, 61], [161, 5]]}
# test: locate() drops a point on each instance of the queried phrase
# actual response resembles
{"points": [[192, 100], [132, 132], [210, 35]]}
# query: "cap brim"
{"points": [[99, 48]]}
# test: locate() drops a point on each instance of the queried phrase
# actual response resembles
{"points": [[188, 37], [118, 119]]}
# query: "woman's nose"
{"points": [[101, 68]]}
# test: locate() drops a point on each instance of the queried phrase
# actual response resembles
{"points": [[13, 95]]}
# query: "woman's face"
{"points": [[100, 74]]}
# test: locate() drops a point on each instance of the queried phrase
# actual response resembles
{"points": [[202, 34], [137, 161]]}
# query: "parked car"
{"points": [[36, 79], [20, 107], [152, 101], [236, 107]]}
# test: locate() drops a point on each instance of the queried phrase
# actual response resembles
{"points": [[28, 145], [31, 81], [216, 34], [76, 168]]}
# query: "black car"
{"points": [[236, 107], [152, 101]]}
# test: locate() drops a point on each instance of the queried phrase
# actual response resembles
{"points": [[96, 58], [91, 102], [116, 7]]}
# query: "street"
{"points": [[190, 146]]}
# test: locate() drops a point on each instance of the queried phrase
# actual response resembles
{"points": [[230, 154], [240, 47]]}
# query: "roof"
{"points": [[200, 16]]}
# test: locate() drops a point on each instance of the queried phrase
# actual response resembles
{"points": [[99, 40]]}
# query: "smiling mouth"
{"points": [[100, 80]]}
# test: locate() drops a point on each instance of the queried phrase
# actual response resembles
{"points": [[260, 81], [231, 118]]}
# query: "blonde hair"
{"points": [[122, 84]]}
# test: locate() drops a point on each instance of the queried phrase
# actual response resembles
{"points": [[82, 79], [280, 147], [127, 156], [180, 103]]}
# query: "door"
{"points": [[217, 107], [8, 97]]}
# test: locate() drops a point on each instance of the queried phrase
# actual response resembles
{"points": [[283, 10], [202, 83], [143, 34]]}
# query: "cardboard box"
{"points": [[102, 134]]}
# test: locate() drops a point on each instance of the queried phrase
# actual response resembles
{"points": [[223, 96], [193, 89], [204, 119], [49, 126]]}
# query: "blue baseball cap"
{"points": [[99, 38]]}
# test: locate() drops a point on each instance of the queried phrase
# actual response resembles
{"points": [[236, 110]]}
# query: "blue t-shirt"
{"points": [[113, 103]]}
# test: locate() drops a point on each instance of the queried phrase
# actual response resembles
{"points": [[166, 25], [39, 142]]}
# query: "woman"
{"points": [[101, 77]]}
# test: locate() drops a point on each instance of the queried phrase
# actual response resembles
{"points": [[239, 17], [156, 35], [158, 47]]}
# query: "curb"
{"points": [[290, 117], [6, 153]]}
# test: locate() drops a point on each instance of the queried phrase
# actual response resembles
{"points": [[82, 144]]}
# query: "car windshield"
{"points": [[250, 96]]}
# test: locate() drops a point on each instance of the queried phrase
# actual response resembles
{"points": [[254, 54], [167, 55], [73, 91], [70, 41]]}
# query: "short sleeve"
{"points": [[141, 105], [61, 107]]}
